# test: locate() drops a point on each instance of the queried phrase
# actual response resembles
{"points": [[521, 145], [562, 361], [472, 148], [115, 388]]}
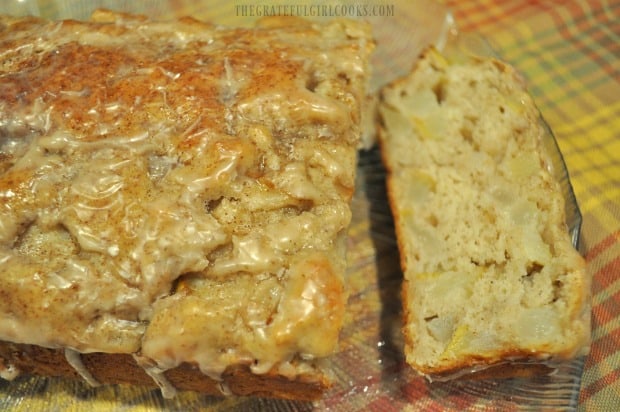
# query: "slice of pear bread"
{"points": [[491, 276]]}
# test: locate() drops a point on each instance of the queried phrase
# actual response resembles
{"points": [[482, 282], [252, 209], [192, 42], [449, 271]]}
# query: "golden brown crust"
{"points": [[509, 371], [109, 368]]}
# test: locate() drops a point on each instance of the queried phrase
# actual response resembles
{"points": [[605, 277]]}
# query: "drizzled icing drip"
{"points": [[168, 391], [75, 360], [224, 389]]}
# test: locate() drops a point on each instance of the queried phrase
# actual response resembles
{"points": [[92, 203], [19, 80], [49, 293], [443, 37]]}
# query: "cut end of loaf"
{"points": [[490, 273]]}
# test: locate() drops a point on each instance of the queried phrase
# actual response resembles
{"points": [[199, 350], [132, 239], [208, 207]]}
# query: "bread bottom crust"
{"points": [[503, 370], [109, 368]]}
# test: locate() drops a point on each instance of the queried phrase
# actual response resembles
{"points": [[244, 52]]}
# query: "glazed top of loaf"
{"points": [[177, 189]]}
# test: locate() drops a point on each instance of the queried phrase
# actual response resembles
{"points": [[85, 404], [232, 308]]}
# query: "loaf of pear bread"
{"points": [[175, 198]]}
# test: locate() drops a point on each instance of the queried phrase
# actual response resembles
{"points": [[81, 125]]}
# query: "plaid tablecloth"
{"points": [[570, 53]]}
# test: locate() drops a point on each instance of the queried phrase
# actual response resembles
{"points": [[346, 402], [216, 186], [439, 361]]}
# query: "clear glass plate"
{"points": [[369, 370]]}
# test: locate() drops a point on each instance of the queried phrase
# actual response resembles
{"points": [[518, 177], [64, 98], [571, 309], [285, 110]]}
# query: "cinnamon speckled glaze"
{"points": [[175, 196]]}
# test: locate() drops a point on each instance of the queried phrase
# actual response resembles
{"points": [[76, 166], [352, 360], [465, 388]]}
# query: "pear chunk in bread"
{"points": [[491, 275]]}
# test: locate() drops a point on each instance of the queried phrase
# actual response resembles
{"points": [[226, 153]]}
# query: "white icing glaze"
{"points": [[224, 389], [75, 360], [168, 391], [190, 163]]}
